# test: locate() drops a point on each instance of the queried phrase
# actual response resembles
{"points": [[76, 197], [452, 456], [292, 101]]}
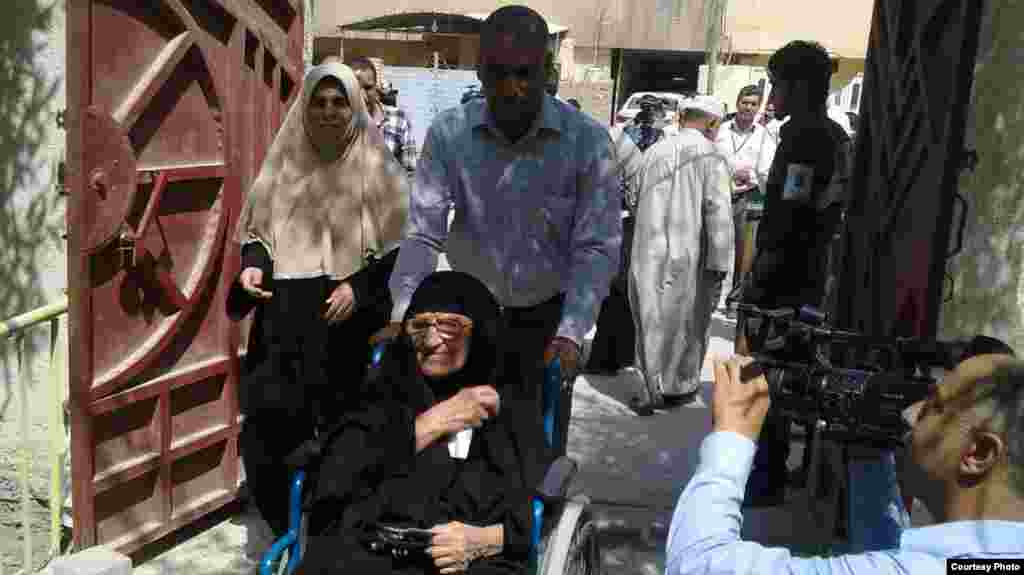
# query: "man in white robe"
{"points": [[682, 250], [614, 344]]}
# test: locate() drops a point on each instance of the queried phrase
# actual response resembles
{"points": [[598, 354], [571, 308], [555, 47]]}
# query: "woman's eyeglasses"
{"points": [[449, 326]]}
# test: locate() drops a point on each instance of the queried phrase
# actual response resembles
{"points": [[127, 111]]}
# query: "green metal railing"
{"points": [[17, 329]]}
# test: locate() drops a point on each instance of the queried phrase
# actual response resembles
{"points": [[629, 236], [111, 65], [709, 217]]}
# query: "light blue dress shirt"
{"points": [[705, 533], [531, 219]]}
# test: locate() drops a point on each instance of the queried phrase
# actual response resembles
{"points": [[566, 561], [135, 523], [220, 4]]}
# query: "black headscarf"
{"points": [[448, 292]]}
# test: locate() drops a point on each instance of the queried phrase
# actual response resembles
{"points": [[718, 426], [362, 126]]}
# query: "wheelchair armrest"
{"points": [[557, 479], [554, 488]]}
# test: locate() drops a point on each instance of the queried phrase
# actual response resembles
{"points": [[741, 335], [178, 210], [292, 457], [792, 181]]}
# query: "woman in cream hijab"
{"points": [[319, 235]]}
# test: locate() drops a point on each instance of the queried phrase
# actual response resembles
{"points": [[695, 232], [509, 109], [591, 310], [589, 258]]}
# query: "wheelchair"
{"points": [[564, 538]]}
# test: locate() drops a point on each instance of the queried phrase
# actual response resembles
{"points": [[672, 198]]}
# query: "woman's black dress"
{"points": [[370, 471], [614, 345], [289, 381]]}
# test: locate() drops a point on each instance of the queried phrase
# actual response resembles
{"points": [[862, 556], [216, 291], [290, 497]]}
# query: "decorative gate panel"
{"points": [[909, 151], [171, 104]]}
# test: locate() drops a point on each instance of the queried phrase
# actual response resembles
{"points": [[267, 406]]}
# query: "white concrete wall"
{"points": [[989, 273], [32, 253]]}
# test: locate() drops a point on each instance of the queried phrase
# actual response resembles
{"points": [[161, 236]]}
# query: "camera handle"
{"points": [[823, 489], [815, 480]]}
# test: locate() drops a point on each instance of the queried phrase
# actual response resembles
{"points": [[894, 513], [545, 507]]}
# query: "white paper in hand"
{"points": [[458, 445]]}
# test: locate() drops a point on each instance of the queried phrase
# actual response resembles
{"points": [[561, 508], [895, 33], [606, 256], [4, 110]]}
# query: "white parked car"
{"points": [[632, 106]]}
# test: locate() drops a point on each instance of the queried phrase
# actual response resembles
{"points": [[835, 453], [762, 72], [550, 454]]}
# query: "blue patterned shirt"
{"points": [[397, 131], [531, 219]]}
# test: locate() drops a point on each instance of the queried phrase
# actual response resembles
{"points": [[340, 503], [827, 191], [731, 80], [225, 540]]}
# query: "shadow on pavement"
{"points": [[231, 540]]}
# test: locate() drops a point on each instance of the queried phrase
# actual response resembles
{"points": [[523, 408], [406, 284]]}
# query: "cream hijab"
{"points": [[317, 216]]}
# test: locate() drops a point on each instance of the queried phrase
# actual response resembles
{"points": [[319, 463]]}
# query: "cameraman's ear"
{"points": [[985, 450]]}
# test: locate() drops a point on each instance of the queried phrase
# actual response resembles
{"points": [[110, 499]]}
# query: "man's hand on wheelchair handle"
{"points": [[741, 399], [568, 354]]}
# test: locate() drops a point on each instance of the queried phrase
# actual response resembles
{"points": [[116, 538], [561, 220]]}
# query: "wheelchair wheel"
{"points": [[572, 547]]}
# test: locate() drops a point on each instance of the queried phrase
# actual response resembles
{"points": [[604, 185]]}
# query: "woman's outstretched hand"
{"points": [[341, 304], [456, 545], [252, 282]]}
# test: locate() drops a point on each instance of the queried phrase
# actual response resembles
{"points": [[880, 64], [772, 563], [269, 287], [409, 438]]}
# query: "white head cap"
{"points": [[710, 105]]}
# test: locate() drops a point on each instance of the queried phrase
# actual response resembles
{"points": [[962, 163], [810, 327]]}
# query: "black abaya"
{"points": [[289, 381], [371, 474], [614, 345], [370, 471]]}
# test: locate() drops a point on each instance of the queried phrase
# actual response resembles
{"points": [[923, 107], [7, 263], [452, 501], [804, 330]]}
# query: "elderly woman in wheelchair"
{"points": [[433, 473]]}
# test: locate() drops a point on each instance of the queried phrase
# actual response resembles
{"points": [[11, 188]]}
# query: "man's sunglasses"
{"points": [[449, 326]]}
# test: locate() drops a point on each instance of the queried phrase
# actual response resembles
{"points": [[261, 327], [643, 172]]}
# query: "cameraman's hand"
{"points": [[740, 402]]}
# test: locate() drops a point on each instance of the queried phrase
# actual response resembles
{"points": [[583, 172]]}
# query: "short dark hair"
{"points": [[806, 61], [748, 91], [362, 63], [519, 21]]}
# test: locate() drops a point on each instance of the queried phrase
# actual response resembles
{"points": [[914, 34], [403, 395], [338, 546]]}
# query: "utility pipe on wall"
{"points": [[714, 10]]}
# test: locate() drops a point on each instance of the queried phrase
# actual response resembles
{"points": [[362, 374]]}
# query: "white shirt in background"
{"points": [[753, 150]]}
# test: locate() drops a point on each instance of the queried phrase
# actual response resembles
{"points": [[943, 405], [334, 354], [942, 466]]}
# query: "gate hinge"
{"points": [[61, 178]]}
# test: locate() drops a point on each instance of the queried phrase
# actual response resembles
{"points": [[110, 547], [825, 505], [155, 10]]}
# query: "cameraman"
{"points": [[965, 462], [802, 214]]}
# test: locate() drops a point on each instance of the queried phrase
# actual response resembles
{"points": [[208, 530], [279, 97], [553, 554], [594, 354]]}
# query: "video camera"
{"points": [[851, 386]]}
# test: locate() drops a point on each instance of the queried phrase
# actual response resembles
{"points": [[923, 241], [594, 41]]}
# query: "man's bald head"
{"points": [[988, 392], [965, 455], [995, 400]]}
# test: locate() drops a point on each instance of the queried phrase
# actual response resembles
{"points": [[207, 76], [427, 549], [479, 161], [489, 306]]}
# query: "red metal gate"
{"points": [[909, 156], [171, 105]]}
